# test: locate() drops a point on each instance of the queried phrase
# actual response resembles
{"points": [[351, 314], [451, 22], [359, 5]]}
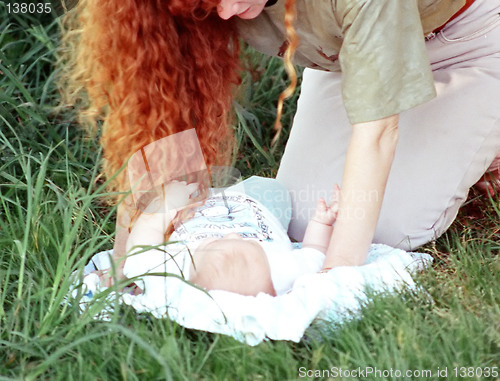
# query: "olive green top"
{"points": [[378, 45]]}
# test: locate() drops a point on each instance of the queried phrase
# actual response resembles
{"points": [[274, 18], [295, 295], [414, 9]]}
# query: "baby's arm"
{"points": [[319, 230], [150, 227]]}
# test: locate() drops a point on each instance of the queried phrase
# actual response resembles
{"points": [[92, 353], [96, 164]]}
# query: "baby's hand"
{"points": [[178, 194], [327, 214], [174, 197]]}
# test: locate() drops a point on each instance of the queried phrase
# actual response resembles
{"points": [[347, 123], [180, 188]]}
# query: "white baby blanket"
{"points": [[332, 297]]}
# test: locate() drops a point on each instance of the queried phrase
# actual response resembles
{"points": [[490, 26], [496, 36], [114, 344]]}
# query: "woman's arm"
{"points": [[368, 163]]}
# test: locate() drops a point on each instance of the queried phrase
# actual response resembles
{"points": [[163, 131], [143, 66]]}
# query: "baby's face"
{"points": [[232, 264]]}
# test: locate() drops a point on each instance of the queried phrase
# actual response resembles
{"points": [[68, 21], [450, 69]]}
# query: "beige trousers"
{"points": [[445, 145]]}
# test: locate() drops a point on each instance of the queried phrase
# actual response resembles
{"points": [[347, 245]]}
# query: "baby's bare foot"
{"points": [[105, 277], [106, 280], [490, 181]]}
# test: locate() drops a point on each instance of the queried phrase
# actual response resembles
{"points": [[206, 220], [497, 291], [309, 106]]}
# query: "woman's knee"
{"points": [[407, 229]]}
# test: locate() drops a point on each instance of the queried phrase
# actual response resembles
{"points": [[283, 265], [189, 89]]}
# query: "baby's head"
{"points": [[232, 264]]}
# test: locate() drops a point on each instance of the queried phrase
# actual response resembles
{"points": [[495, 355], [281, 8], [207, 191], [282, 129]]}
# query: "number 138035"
{"points": [[29, 8]]}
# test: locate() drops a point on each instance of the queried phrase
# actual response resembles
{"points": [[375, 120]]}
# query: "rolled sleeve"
{"points": [[385, 68]]}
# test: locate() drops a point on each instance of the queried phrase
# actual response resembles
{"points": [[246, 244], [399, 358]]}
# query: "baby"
{"points": [[236, 243]]}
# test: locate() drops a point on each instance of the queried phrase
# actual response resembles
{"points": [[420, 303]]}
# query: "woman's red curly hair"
{"points": [[148, 69]]}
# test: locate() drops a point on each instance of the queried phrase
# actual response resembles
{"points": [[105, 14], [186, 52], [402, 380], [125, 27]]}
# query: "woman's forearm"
{"points": [[368, 163]]}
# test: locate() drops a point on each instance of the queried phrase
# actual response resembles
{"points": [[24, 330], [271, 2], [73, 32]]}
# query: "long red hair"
{"points": [[149, 69], [292, 43], [141, 70]]}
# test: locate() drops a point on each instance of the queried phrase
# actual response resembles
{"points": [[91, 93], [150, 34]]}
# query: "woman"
{"points": [[375, 64], [406, 124]]}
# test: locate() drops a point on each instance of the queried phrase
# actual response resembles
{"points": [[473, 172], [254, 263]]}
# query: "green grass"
{"points": [[53, 218]]}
